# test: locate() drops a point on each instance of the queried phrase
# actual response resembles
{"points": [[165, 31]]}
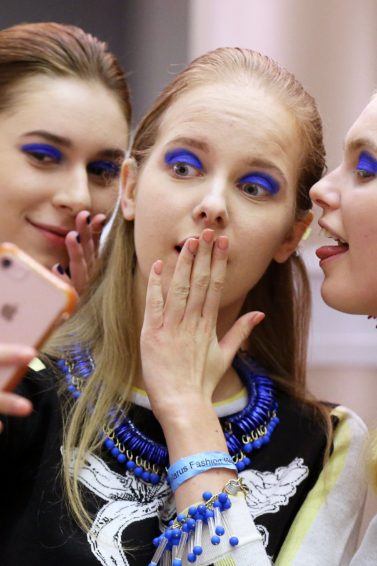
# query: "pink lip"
{"points": [[54, 234]]}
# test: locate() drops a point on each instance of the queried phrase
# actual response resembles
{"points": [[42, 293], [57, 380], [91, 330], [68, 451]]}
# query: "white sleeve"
{"points": [[367, 553], [250, 551], [325, 530]]}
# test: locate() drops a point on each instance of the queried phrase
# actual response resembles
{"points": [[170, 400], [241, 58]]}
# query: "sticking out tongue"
{"points": [[327, 251]]}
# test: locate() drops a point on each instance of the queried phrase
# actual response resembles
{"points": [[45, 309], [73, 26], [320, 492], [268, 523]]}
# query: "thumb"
{"points": [[240, 330]]}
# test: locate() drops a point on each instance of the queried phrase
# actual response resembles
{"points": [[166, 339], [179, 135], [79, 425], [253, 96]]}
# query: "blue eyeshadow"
{"points": [[182, 155], [42, 149], [367, 163], [262, 179]]}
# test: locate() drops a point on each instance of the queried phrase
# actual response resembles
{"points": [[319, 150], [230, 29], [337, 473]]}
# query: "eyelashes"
{"points": [[259, 184], [107, 170], [42, 152]]}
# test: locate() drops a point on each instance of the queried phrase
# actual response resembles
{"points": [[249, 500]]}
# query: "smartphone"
{"points": [[32, 303]]}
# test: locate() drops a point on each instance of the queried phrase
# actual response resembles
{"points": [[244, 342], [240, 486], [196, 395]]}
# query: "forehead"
{"points": [[69, 107], [242, 115], [364, 130]]}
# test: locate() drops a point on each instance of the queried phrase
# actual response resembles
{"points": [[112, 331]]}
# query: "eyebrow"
{"points": [[109, 153], [357, 143], [192, 142]]}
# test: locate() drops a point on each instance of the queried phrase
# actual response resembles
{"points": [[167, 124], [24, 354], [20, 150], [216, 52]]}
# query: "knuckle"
{"points": [[217, 284], [156, 303], [202, 280], [180, 290]]}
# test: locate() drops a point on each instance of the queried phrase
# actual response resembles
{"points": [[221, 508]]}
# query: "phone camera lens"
{"points": [[6, 262]]}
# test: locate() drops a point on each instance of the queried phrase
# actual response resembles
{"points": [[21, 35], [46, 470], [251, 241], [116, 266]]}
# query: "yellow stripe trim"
{"points": [[318, 494], [226, 561]]}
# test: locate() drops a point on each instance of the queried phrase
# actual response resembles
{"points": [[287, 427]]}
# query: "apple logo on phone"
{"points": [[8, 311]]}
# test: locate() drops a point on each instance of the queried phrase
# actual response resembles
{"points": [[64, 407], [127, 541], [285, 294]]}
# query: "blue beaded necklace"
{"points": [[245, 431]]}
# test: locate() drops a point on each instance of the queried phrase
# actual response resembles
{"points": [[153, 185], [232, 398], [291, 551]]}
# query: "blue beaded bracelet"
{"points": [[191, 466]]}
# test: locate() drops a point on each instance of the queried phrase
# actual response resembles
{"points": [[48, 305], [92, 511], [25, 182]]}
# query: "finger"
{"points": [[98, 223], [154, 302], [84, 229], [58, 270], [12, 404], [201, 275], [77, 265], [16, 354], [217, 279], [240, 330], [179, 289]]}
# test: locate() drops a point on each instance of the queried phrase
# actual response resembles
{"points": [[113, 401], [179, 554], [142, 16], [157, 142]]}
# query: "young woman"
{"points": [[153, 397], [64, 123], [348, 198]]}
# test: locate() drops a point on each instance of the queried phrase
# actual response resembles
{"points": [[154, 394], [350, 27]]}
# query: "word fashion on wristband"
{"points": [[184, 535], [148, 460], [187, 468]]}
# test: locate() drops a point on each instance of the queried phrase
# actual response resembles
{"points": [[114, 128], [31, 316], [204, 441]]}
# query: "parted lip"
{"points": [[58, 230], [331, 232]]}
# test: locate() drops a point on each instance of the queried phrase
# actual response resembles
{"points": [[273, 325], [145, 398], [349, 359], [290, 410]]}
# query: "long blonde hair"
{"points": [[106, 320]]}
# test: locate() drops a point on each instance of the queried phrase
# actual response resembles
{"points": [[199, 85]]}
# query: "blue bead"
{"points": [[240, 466], [233, 541], [215, 539], [197, 550], [202, 509], [121, 458], [220, 530], [258, 443], [191, 523], [71, 388], [138, 471], [246, 461], [209, 513], [248, 448], [177, 562], [130, 465], [109, 444], [168, 533], [76, 394], [223, 497], [176, 533], [227, 505], [146, 476], [185, 528], [115, 451], [191, 557], [192, 511], [181, 517], [156, 541], [207, 495], [154, 479]]}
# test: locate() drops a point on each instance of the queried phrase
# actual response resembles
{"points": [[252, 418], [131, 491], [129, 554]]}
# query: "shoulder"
{"points": [[350, 429]]}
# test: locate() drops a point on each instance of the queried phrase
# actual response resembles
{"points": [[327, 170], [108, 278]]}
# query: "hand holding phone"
{"points": [[32, 303]]}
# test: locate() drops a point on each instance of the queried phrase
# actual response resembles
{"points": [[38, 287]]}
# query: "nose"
{"points": [[73, 192], [212, 210], [325, 193]]}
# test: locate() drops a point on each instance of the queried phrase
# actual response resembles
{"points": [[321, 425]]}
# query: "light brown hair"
{"points": [[106, 321], [57, 50]]}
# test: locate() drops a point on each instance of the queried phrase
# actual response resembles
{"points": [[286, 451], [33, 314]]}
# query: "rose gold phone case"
{"points": [[32, 302]]}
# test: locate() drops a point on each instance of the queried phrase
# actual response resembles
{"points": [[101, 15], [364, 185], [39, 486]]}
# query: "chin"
{"points": [[347, 303]]}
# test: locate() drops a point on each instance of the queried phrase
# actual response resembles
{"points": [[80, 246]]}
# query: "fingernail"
{"points": [[88, 219], [78, 239], [21, 404], [223, 243], [193, 244], [60, 268], [208, 236]]}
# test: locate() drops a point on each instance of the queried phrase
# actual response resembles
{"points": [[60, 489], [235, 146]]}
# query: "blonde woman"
{"points": [[64, 123], [348, 198], [162, 418]]}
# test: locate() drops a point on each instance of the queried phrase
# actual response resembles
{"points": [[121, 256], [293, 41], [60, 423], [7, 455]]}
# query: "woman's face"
{"points": [[61, 145], [225, 158], [348, 198]]}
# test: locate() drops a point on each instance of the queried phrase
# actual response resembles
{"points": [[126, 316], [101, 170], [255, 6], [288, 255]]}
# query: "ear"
{"points": [[128, 177], [296, 234]]}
